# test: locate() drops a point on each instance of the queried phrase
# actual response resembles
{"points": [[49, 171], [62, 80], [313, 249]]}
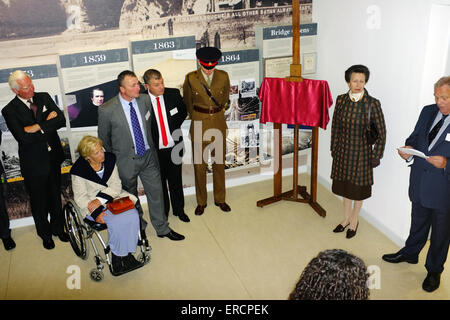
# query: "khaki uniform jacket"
{"points": [[195, 95]]}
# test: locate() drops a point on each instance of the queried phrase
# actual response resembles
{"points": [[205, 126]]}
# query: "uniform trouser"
{"points": [[218, 167], [171, 176], [147, 169], [421, 221], [45, 198], [5, 232]]}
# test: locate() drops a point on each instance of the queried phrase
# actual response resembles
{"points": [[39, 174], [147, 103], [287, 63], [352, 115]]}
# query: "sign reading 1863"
{"points": [[173, 57], [158, 45]]}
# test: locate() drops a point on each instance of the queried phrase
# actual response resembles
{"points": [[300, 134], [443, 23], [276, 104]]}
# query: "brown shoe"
{"points": [[223, 206], [199, 210]]}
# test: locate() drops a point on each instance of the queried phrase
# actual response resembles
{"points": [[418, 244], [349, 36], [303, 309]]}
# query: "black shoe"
{"points": [[183, 217], [9, 243], [351, 233], [199, 210], [431, 282], [131, 263], [340, 228], [223, 206], [399, 257], [64, 237], [172, 235], [49, 244], [117, 264]]}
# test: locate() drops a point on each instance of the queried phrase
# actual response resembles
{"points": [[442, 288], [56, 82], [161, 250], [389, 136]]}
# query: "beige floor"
{"points": [[251, 253]]}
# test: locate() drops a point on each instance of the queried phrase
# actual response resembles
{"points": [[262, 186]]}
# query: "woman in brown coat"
{"points": [[353, 157]]}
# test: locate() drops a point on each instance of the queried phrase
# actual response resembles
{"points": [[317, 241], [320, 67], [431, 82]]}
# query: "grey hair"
{"points": [[14, 77], [442, 82]]}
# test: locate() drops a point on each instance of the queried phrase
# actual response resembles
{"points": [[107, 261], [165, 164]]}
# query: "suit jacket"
{"points": [[175, 113], [195, 95], [115, 133], [428, 185], [88, 186], [33, 152]]}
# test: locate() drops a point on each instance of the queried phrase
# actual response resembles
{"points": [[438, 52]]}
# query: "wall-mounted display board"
{"points": [[88, 80], [242, 114], [275, 43], [173, 57]]}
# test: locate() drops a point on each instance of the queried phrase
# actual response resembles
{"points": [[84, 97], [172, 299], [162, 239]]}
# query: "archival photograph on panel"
{"points": [[84, 103], [220, 23], [16, 197]]}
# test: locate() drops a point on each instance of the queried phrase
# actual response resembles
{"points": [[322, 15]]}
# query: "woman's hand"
{"points": [[100, 218], [94, 204], [439, 162]]}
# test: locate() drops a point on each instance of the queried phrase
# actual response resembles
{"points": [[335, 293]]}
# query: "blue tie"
{"points": [[138, 137]]}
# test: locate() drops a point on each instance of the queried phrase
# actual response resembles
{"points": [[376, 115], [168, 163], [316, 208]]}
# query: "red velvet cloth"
{"points": [[303, 103]]}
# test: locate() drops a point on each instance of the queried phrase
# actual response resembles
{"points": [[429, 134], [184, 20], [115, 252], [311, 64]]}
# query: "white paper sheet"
{"points": [[413, 152]]}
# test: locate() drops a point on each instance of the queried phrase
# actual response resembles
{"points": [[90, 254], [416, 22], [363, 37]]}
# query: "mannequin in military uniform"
{"points": [[206, 92]]}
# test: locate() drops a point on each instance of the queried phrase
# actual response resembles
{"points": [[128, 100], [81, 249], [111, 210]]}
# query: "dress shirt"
{"points": [[126, 109], [170, 142]]}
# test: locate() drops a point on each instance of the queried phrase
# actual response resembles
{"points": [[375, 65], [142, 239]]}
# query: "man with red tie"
{"points": [[167, 114], [33, 119]]}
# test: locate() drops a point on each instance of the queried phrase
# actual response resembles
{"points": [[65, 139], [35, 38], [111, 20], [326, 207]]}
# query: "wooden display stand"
{"points": [[292, 195]]}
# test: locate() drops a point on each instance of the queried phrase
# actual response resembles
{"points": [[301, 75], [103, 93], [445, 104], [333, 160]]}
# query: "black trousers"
{"points": [[45, 198], [172, 182], [422, 219], [5, 232]]}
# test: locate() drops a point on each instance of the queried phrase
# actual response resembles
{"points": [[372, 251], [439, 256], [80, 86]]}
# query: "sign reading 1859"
{"points": [[93, 58], [167, 44]]}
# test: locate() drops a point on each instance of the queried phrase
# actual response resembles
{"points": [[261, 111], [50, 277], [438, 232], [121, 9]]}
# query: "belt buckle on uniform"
{"points": [[210, 111]]}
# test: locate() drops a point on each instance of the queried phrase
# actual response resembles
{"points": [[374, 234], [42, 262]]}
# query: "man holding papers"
{"points": [[429, 188]]}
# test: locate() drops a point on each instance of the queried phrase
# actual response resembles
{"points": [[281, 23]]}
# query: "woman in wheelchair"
{"points": [[96, 182]]}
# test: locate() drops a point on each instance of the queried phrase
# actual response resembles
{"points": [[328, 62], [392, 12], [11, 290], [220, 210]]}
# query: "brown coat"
{"points": [[351, 153], [195, 95]]}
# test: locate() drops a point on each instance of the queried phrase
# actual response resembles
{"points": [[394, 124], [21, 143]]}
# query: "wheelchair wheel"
{"points": [[144, 257], [96, 275], [74, 228]]}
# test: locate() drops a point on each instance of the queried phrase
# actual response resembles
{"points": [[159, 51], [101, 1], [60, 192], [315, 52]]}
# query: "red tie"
{"points": [[161, 123]]}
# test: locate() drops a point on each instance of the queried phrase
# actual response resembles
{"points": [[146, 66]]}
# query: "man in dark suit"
{"points": [[33, 119], [429, 188], [123, 127], [167, 114], [5, 232]]}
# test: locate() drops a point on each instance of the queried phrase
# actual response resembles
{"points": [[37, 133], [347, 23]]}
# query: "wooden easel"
{"points": [[292, 195]]}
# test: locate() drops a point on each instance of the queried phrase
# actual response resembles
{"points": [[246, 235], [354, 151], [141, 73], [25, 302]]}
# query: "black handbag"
{"points": [[371, 131]]}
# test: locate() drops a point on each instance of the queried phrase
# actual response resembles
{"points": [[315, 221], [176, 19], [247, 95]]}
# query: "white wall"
{"points": [[390, 37]]}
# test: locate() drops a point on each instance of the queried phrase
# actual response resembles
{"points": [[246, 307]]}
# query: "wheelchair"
{"points": [[81, 230]]}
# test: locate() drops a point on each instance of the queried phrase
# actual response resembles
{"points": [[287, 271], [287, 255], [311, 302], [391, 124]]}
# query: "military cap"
{"points": [[208, 57]]}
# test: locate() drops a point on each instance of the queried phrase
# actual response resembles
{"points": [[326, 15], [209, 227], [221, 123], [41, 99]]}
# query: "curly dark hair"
{"points": [[333, 275], [357, 68]]}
